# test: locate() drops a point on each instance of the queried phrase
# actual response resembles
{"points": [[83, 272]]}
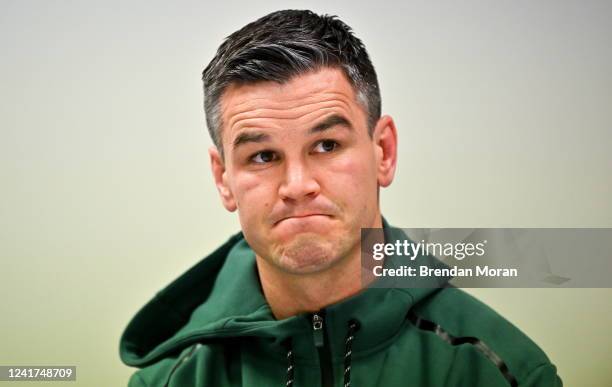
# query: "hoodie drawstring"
{"points": [[348, 351], [289, 365], [353, 326]]}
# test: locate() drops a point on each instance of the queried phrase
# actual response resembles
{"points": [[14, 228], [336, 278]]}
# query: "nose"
{"points": [[299, 182]]}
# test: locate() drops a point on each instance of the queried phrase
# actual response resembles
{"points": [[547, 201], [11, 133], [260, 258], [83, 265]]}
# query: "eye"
{"points": [[263, 157], [326, 146]]}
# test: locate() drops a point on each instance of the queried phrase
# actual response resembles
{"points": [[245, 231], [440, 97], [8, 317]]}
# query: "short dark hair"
{"points": [[284, 44]]}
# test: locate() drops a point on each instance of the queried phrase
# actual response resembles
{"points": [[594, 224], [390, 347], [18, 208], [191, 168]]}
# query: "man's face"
{"points": [[300, 168]]}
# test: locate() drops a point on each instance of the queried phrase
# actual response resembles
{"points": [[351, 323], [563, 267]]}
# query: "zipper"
{"points": [[321, 341]]}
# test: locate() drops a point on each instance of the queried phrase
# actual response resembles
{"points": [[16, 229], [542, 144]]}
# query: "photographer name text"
{"points": [[454, 271]]}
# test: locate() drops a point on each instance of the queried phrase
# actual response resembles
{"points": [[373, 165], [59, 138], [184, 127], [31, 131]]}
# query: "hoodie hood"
{"points": [[221, 298]]}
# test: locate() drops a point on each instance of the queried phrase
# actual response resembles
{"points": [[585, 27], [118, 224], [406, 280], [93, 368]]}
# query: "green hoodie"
{"points": [[213, 327]]}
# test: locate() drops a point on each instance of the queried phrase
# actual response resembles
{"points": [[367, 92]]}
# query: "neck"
{"points": [[291, 294]]}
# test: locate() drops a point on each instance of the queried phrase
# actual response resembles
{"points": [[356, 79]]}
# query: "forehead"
{"points": [[299, 97]]}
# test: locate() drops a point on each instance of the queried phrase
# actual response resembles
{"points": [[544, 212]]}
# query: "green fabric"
{"points": [[213, 327]]}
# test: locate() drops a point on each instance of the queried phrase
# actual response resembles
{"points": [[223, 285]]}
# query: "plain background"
{"points": [[504, 117]]}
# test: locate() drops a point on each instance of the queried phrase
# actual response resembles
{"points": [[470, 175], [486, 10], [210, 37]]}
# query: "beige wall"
{"points": [[504, 117]]}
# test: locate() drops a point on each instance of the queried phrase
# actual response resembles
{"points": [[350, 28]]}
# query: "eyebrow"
{"points": [[328, 123], [246, 137]]}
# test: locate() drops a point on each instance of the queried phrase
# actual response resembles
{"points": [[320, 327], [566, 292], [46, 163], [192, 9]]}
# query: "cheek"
{"points": [[254, 194], [353, 177], [356, 168]]}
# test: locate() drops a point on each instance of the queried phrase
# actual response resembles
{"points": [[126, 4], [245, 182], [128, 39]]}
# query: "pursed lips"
{"points": [[298, 216]]}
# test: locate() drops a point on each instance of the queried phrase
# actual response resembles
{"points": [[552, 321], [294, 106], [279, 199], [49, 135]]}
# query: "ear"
{"points": [[217, 166], [385, 143]]}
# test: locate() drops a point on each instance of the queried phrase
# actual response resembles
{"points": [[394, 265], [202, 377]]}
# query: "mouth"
{"points": [[301, 216]]}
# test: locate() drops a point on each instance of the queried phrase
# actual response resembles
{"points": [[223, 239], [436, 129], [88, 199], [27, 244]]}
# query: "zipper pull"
{"points": [[317, 328]]}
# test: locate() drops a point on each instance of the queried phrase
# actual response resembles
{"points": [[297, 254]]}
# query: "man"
{"points": [[301, 151]]}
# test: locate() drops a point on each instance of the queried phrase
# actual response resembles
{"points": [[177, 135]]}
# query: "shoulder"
{"points": [[460, 319]]}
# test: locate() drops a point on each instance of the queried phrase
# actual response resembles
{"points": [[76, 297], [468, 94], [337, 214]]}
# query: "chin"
{"points": [[308, 253]]}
